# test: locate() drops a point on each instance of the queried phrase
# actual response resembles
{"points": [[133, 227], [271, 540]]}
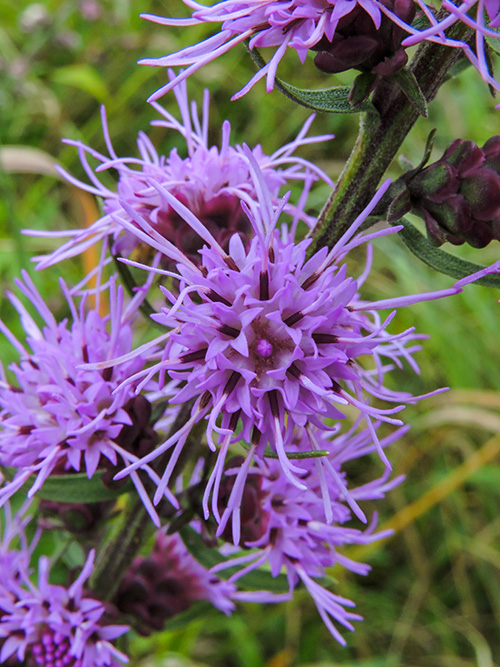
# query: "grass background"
{"points": [[433, 595]]}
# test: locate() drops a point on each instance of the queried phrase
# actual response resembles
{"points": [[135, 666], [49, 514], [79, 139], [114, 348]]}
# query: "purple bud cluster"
{"points": [[459, 195], [167, 582], [360, 44]]}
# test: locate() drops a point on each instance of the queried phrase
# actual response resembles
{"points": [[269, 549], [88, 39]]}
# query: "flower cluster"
{"points": [[54, 626], [262, 342], [270, 373], [347, 34], [49, 625], [287, 529], [212, 182], [301, 25], [62, 418]]}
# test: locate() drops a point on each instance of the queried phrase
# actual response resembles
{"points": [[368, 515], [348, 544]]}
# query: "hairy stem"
{"points": [[380, 137]]}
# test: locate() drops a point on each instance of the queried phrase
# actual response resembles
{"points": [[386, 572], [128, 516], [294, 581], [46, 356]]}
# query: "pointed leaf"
{"points": [[408, 83], [459, 67], [399, 206], [130, 285], [361, 88], [77, 488], [494, 42], [440, 260], [328, 100], [269, 454]]}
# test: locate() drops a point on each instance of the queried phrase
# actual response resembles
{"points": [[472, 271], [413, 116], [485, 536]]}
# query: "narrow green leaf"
{"points": [[129, 283], [85, 78], [269, 454], [494, 42], [361, 88], [459, 67], [440, 260], [428, 149], [197, 611], [328, 100], [208, 557], [399, 206], [408, 83], [77, 488]]}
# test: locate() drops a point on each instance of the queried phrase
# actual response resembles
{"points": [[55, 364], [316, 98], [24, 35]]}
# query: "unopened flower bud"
{"points": [[77, 518], [459, 195], [166, 583], [359, 44]]}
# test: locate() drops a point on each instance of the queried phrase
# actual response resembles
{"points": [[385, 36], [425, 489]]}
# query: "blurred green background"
{"points": [[433, 595]]}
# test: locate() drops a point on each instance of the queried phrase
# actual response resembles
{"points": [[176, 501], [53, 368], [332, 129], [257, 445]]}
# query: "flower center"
{"points": [[52, 651], [264, 347]]}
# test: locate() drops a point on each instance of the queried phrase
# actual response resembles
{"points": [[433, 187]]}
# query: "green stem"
{"points": [[380, 137], [114, 559], [134, 526]]}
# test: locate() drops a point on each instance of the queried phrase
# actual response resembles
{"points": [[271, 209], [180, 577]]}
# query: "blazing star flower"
{"points": [[54, 626], [167, 582], [292, 533], [211, 182], [294, 24], [265, 341], [62, 418]]}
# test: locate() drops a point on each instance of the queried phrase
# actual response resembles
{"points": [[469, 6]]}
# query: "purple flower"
{"points": [[62, 418], [294, 536], [13, 560], [54, 626], [212, 182], [167, 582], [295, 24], [262, 341]]}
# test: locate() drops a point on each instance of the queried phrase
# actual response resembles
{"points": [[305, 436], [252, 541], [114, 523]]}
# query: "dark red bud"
{"points": [[482, 192], [465, 156], [437, 183]]}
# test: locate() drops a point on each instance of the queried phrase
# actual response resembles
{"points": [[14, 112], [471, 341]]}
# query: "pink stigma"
{"points": [[264, 347]]}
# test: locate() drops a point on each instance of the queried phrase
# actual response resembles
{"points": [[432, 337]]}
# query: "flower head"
{"points": [[62, 418], [263, 341], [212, 182], [286, 24], [293, 535], [167, 582], [54, 626]]}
